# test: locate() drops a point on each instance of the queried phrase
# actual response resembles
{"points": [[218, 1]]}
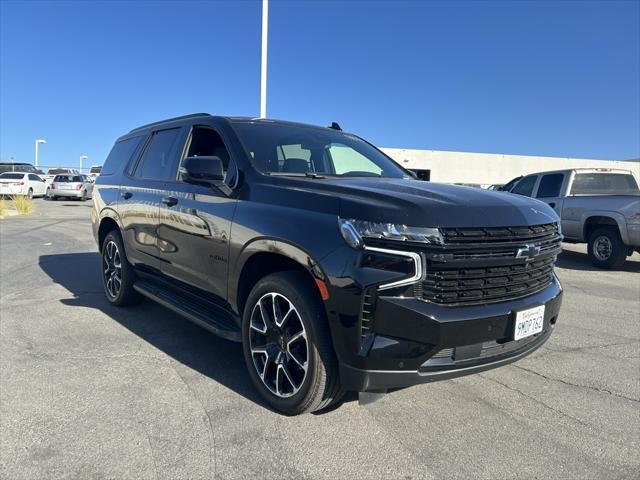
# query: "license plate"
{"points": [[529, 322], [67, 187]]}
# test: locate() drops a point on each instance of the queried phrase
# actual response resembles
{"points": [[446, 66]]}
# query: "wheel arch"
{"points": [[265, 256], [109, 221], [601, 219]]}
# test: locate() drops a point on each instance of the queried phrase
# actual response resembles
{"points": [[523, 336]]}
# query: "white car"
{"points": [[78, 186], [19, 183]]}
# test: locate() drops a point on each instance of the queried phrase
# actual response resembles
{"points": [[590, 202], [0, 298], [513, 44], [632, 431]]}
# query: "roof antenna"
{"points": [[335, 126]]}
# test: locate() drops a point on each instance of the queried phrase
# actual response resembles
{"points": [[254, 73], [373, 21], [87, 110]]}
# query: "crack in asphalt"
{"points": [[212, 437], [548, 351], [589, 387], [534, 399]]}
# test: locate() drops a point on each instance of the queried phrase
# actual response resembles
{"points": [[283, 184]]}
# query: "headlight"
{"points": [[354, 231]]}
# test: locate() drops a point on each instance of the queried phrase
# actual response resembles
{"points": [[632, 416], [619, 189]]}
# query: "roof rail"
{"points": [[182, 117]]}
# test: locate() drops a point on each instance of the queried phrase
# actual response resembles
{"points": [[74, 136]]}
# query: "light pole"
{"points": [[38, 142], [263, 68], [82, 157]]}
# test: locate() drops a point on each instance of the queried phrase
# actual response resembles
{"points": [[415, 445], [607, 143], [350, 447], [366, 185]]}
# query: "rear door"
{"points": [[142, 190], [549, 189], [37, 184]]}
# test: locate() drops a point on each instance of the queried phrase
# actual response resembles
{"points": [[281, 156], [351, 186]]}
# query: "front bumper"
{"points": [[418, 342]]}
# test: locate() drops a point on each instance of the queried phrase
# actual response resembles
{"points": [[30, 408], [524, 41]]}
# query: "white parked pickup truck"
{"points": [[600, 207]]}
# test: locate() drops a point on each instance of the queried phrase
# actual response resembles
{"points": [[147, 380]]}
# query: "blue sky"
{"points": [[544, 78]]}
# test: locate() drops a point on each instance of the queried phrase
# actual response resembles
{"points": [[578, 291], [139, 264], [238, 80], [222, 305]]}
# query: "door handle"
{"points": [[169, 201], [126, 195], [552, 204]]}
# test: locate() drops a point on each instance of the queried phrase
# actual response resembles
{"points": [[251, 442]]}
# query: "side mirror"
{"points": [[413, 174], [202, 170]]}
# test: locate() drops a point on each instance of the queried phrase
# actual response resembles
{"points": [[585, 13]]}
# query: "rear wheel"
{"points": [[605, 248], [287, 345], [83, 198], [118, 276]]}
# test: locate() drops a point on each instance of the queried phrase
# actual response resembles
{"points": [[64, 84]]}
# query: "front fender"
{"points": [[270, 245]]}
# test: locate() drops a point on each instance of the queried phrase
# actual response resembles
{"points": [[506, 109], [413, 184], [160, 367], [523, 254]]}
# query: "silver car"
{"points": [[71, 186]]}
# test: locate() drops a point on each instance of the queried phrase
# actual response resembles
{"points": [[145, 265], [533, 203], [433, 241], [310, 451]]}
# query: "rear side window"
{"points": [[33, 177], [604, 184], [159, 161], [550, 185], [525, 186], [120, 154]]}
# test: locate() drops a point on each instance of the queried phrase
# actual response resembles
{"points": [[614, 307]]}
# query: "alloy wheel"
{"points": [[278, 344], [112, 269], [602, 248]]}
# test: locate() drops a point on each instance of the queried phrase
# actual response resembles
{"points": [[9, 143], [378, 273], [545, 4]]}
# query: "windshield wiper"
{"points": [[294, 174]]}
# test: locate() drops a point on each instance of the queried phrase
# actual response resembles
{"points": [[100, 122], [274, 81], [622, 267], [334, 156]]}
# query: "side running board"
{"points": [[208, 316]]}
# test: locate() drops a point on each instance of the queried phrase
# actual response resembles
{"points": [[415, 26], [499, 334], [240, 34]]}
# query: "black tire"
{"points": [[54, 198], [30, 194], [47, 194], [83, 198], [319, 386], [124, 295], [605, 248]]}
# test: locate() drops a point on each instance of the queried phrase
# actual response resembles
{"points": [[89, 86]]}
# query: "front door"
{"points": [[195, 223]]}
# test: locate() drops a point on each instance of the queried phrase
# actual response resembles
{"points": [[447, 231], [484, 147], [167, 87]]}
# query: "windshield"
{"points": [[12, 176], [604, 184], [301, 150], [55, 171], [67, 178]]}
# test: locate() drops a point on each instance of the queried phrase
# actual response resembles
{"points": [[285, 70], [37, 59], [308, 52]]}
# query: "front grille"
{"points": [[490, 284], [466, 236], [480, 265]]}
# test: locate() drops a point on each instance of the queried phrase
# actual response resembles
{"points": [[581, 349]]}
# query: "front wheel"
{"points": [[605, 248], [287, 345], [30, 194]]}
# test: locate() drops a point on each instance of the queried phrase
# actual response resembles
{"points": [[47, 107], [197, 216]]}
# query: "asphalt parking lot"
{"points": [[91, 391]]}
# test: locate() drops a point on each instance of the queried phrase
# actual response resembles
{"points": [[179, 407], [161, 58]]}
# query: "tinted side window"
{"points": [[550, 185], [159, 159], [120, 154], [525, 186], [33, 177]]}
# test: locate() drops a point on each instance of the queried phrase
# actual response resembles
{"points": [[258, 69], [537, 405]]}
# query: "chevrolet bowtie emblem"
{"points": [[529, 252]]}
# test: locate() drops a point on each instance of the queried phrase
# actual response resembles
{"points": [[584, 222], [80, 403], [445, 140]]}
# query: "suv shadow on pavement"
{"points": [[580, 261], [218, 359]]}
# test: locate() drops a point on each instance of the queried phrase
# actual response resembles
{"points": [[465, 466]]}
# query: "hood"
{"points": [[427, 204]]}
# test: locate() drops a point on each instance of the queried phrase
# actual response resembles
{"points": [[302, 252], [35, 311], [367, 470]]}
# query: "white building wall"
{"points": [[489, 168]]}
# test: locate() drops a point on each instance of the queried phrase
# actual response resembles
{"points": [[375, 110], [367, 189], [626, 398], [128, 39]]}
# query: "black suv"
{"points": [[334, 267]]}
